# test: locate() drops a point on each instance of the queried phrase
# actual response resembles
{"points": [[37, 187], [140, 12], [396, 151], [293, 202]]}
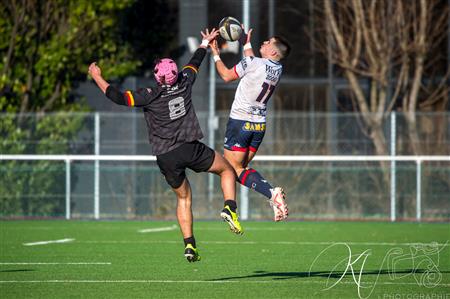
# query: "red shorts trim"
{"points": [[238, 149], [253, 149]]}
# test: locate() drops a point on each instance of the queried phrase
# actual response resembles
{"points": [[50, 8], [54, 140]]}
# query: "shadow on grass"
{"points": [[324, 274]]}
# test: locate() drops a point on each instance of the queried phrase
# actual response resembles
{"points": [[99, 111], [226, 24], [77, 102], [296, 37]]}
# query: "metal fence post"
{"points": [[68, 188], [244, 190], [244, 203], [419, 190], [97, 168], [213, 122], [393, 166]]}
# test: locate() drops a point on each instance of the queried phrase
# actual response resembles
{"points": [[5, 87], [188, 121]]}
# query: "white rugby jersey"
{"points": [[259, 77]]}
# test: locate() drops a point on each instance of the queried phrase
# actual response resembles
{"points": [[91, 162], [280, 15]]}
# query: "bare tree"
{"points": [[392, 44]]}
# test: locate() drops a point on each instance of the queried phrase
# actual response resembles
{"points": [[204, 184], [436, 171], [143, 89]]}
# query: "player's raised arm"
{"points": [[246, 41], [225, 73], [199, 54], [129, 98], [96, 74]]}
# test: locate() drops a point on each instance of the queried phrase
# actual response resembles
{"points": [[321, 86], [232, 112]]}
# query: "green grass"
{"points": [[271, 260]]}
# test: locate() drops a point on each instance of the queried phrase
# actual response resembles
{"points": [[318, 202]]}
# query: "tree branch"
{"points": [[367, 42], [421, 48], [18, 19], [55, 95]]}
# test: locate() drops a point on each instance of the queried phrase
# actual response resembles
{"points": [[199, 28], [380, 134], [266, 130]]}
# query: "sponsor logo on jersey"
{"points": [[244, 64], [255, 127], [255, 110], [174, 90], [273, 74]]}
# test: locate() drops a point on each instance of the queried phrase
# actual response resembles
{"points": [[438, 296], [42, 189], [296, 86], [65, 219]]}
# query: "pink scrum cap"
{"points": [[166, 71]]}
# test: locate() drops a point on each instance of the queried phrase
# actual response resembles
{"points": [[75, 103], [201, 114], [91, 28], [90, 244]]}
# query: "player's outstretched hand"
{"points": [[209, 36], [214, 47], [94, 70], [245, 36]]}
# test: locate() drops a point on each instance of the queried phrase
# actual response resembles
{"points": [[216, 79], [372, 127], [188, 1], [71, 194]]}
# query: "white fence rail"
{"points": [[244, 196]]}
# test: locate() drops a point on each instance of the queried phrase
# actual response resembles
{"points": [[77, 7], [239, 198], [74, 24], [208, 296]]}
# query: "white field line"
{"points": [[196, 228], [257, 229], [271, 243], [212, 282], [49, 242], [158, 229], [81, 263]]}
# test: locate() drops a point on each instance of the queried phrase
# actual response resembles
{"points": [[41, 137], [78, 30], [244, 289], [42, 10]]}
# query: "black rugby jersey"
{"points": [[169, 112]]}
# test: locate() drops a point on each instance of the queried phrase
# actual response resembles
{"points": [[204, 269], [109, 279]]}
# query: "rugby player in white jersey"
{"points": [[247, 123]]}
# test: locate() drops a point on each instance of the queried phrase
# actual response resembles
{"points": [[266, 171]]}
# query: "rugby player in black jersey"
{"points": [[174, 133]]}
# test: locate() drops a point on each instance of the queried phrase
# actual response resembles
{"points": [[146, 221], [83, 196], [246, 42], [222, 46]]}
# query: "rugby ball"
{"points": [[230, 29]]}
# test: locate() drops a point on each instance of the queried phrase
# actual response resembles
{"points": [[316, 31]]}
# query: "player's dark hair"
{"points": [[282, 45]]}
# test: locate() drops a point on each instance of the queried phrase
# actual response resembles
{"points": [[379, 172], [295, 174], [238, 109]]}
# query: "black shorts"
{"points": [[193, 155]]}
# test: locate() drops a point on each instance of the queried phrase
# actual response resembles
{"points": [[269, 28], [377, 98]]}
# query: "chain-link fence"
{"points": [[315, 189]]}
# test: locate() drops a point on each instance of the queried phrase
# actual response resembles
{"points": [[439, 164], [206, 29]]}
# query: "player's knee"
{"points": [[181, 188], [233, 165], [226, 170], [184, 199], [183, 195], [229, 172], [237, 169]]}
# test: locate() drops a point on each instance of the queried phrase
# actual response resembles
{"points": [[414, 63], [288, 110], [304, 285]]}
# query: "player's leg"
{"points": [[278, 197], [227, 175], [206, 159], [248, 177], [185, 220], [184, 208], [242, 140], [250, 156], [171, 167], [239, 136]]}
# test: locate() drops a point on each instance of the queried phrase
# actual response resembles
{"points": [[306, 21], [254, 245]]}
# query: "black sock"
{"points": [[232, 204], [190, 240]]}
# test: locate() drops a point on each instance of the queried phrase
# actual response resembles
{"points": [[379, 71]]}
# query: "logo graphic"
{"points": [[255, 127], [421, 259], [255, 110]]}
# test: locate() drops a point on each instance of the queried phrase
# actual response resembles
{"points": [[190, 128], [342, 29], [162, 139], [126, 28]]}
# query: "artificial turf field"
{"points": [[113, 259]]}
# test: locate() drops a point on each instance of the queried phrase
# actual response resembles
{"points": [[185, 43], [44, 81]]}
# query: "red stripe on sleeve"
{"points": [[128, 98], [234, 69]]}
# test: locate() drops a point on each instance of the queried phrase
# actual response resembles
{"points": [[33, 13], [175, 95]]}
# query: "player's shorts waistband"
{"points": [[249, 125]]}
